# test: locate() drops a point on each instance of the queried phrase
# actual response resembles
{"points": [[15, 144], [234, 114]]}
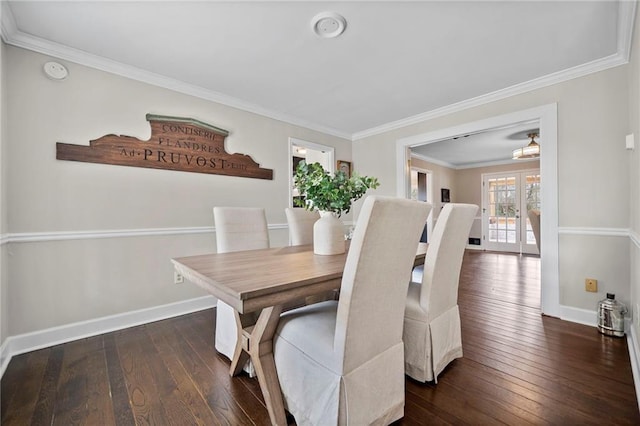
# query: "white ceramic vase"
{"points": [[328, 234]]}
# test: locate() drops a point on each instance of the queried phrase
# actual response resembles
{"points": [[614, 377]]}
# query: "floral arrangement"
{"points": [[321, 191]]}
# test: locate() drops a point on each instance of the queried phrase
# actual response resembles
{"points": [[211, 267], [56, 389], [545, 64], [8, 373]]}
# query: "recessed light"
{"points": [[55, 71], [328, 24]]}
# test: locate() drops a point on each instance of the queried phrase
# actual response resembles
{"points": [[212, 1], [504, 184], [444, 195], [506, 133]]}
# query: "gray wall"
{"points": [[55, 281], [593, 174]]}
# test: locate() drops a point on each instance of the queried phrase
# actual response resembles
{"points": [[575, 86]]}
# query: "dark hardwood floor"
{"points": [[518, 368]]}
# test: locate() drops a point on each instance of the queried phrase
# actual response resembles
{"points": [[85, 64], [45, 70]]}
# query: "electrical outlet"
{"points": [[591, 284], [177, 278]]}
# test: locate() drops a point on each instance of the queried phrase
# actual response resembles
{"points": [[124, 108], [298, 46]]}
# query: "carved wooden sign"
{"points": [[176, 143]]}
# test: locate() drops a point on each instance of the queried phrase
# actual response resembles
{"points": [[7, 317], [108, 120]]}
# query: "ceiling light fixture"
{"points": [[328, 24], [530, 151]]}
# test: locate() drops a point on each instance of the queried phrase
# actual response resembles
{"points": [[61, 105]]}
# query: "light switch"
{"points": [[630, 141]]}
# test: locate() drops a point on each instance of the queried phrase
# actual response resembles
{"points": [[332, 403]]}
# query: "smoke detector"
{"points": [[328, 24], [55, 71]]}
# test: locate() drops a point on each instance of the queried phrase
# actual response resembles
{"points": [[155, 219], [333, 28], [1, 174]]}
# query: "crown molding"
{"points": [[468, 165], [433, 160], [518, 89], [626, 16], [11, 35]]}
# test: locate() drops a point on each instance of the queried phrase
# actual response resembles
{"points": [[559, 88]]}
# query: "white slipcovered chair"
{"points": [[432, 335], [237, 228], [300, 222], [534, 218], [342, 362]]}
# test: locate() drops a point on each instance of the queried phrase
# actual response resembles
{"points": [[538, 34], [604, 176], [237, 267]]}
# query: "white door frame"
{"points": [[429, 174], [523, 247], [547, 117]]}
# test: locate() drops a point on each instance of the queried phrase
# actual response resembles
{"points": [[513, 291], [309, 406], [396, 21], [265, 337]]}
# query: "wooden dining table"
{"points": [[259, 285]]}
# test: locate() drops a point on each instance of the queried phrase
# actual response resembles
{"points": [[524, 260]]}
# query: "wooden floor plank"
{"points": [[144, 394], [519, 368], [21, 386], [123, 412], [45, 407], [200, 344], [83, 395]]}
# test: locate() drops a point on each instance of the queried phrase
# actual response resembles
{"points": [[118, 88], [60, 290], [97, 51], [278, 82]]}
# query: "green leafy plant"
{"points": [[321, 191]]}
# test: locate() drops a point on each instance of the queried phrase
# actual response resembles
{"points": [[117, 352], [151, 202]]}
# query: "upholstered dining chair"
{"points": [[300, 222], [432, 335], [342, 362], [237, 228], [534, 218]]}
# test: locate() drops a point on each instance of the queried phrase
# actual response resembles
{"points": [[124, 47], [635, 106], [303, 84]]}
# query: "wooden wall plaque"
{"points": [[176, 143]]}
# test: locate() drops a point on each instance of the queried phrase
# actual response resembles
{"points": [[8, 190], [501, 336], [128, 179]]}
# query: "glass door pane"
{"points": [[531, 200], [507, 198]]}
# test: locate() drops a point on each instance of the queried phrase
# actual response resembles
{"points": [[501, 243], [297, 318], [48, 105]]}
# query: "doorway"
{"points": [[312, 153], [506, 199], [547, 117], [421, 190]]}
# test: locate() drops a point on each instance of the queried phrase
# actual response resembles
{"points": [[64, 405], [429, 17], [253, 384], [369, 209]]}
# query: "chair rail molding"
{"points": [[605, 232], [30, 237]]}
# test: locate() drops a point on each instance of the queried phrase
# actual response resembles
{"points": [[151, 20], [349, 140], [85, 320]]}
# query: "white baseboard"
{"points": [[16, 345], [634, 356], [581, 316], [5, 357], [586, 317]]}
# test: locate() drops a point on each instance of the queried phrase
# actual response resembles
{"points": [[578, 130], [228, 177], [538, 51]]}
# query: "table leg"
{"points": [[261, 351], [240, 356]]}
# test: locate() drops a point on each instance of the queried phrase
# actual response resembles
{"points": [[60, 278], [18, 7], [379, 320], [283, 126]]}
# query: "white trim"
{"points": [[5, 356], [626, 16], [468, 165], [30, 237], [433, 160], [547, 116], [605, 232], [578, 315], [635, 238], [11, 35], [16, 345], [518, 89], [634, 357]]}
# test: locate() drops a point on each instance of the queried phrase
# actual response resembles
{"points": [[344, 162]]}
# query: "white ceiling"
{"points": [[396, 63], [491, 147]]}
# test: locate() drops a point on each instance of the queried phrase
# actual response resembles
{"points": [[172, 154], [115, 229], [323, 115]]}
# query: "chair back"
{"points": [[376, 278], [301, 223], [534, 218], [444, 258], [240, 228]]}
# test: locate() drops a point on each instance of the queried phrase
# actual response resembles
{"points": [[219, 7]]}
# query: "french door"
{"points": [[507, 197]]}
